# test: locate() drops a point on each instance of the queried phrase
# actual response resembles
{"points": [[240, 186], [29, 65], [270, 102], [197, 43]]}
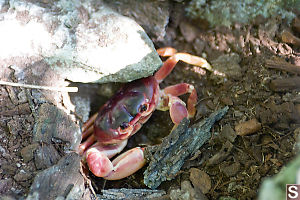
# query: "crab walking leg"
{"points": [[183, 88], [87, 133], [170, 63], [86, 144], [89, 123], [122, 166]]}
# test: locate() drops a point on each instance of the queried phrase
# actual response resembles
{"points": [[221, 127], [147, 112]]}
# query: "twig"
{"points": [[288, 37], [59, 89], [287, 84], [278, 63], [125, 193], [296, 24], [177, 147]]}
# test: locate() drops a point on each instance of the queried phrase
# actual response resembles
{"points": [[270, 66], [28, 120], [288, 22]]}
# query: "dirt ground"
{"points": [[246, 54]]}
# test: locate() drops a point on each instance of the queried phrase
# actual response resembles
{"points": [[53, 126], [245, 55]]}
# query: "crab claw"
{"points": [[178, 110], [122, 166]]}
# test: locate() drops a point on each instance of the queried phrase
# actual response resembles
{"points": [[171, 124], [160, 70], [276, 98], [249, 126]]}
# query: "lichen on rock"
{"points": [[228, 12]]}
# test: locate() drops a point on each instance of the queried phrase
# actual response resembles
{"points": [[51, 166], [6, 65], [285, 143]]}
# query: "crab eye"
{"points": [[124, 125], [143, 108]]}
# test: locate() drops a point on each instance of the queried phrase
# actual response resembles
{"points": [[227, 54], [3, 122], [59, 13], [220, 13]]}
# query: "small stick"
{"points": [[278, 63], [59, 89], [296, 24], [287, 84], [288, 37]]}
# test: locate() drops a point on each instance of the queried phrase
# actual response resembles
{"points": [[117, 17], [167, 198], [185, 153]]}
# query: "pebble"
{"points": [[199, 46], [221, 155], [27, 152], [200, 180], [248, 127], [228, 133], [228, 65], [188, 31], [62, 179], [230, 170], [8, 168], [5, 185], [187, 192], [22, 176], [227, 101], [45, 156]]}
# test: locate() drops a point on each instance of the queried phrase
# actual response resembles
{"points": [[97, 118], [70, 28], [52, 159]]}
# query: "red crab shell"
{"points": [[124, 114]]}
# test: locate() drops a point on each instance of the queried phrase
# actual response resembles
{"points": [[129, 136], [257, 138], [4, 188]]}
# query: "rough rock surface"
{"points": [[83, 41], [153, 16], [63, 179]]}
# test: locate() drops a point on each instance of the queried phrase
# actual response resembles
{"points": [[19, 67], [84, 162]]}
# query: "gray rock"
{"points": [[54, 125], [27, 152], [82, 41], [5, 185], [228, 66], [8, 168], [228, 133], [45, 156], [22, 176], [153, 16], [63, 179], [187, 192]]}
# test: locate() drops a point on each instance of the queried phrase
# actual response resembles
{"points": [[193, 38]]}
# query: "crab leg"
{"points": [[180, 89], [121, 167], [88, 128], [87, 134], [170, 63]]}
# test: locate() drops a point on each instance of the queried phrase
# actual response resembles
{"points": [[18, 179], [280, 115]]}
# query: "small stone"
{"points": [[248, 127], [187, 192], [230, 170], [5, 185], [221, 155], [174, 194], [188, 31], [8, 168], [200, 180], [27, 152], [210, 105], [22, 97], [227, 101], [22, 176], [45, 156], [55, 123], [227, 65], [228, 133], [199, 46], [64, 179]]}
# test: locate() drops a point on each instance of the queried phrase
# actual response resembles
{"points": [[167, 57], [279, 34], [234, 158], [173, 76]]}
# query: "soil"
{"points": [[243, 158]]}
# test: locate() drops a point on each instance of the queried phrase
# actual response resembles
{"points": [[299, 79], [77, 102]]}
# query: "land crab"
{"points": [[106, 133]]}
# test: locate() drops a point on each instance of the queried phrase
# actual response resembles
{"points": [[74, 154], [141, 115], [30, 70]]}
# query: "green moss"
{"points": [[227, 12]]}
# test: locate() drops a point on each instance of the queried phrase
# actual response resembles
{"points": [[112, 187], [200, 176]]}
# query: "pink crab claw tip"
{"points": [[127, 163], [178, 111], [98, 163]]}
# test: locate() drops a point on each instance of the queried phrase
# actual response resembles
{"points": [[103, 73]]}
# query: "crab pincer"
{"points": [[106, 133]]}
